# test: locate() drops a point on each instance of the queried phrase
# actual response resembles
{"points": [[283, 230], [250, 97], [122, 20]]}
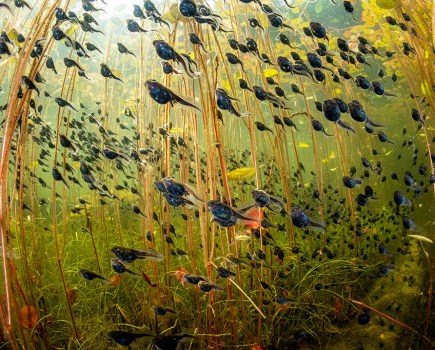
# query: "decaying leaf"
{"points": [[72, 295], [115, 280], [28, 316]]}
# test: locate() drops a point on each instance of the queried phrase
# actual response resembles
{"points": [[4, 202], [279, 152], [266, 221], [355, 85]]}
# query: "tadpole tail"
{"points": [[308, 74], [116, 78], [235, 111], [344, 126], [243, 68], [185, 65], [388, 94], [66, 184], [289, 27], [27, 5], [242, 217], [392, 143], [288, 5], [202, 45], [369, 122], [72, 107], [6, 6], [184, 102]]}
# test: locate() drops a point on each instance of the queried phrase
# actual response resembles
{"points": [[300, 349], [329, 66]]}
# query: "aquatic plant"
{"points": [[218, 174]]}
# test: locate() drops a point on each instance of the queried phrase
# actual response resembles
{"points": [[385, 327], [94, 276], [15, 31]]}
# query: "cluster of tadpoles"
{"points": [[179, 194]]}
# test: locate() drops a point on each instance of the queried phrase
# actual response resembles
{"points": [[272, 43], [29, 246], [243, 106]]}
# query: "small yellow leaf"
{"points": [[241, 173], [303, 145], [270, 72], [226, 85], [386, 4], [115, 280], [71, 30]]}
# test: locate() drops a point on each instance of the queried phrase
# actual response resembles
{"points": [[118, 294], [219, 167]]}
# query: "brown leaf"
{"points": [[72, 295], [28, 316], [179, 275], [115, 280], [144, 275]]}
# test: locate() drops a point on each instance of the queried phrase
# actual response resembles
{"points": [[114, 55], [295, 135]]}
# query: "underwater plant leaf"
{"points": [[421, 238], [240, 173], [256, 215], [115, 280], [243, 237], [72, 295], [123, 155], [303, 145], [28, 316], [226, 85], [72, 30], [176, 131], [13, 36], [386, 4], [180, 275], [148, 280], [270, 72], [174, 15]]}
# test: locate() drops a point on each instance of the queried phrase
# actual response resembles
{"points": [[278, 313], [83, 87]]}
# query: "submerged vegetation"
{"points": [[215, 175]]}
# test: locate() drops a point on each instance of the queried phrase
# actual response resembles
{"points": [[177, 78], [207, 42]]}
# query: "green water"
{"points": [[293, 287]]}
